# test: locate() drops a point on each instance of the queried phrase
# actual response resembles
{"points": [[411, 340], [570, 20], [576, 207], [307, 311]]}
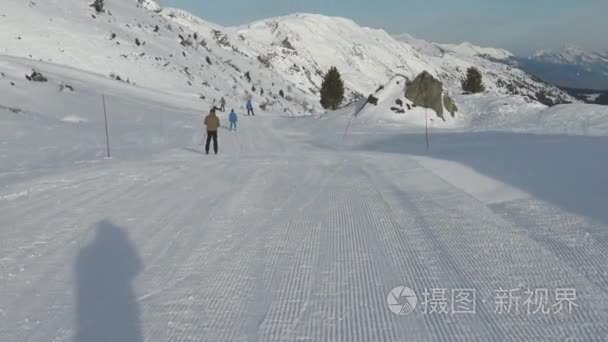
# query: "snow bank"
{"points": [[74, 119], [493, 112], [476, 184]]}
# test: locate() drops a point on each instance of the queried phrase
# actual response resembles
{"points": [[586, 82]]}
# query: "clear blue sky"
{"points": [[521, 26]]}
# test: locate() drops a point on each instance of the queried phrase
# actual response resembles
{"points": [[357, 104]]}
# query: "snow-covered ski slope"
{"points": [[303, 224], [296, 231]]}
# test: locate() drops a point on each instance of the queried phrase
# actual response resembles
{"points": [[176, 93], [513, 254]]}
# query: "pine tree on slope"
{"points": [[332, 89], [474, 81]]}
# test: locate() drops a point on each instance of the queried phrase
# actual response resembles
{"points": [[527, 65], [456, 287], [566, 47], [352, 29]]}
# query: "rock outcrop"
{"points": [[426, 91]]}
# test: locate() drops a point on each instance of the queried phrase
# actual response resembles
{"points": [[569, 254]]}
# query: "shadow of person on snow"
{"points": [[106, 306]]}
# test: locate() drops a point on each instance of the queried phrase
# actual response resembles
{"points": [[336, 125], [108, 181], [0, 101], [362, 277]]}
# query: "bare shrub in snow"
{"points": [[186, 42], [36, 76], [287, 44], [98, 5], [229, 62], [221, 38], [63, 87], [265, 60], [118, 78]]}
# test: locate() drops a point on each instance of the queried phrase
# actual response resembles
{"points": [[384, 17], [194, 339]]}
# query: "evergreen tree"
{"points": [[474, 81], [332, 89]]}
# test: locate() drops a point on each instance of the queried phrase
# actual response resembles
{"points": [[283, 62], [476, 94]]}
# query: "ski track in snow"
{"points": [[292, 234]]}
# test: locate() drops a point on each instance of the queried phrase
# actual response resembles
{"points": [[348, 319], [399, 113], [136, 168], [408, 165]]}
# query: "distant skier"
{"points": [[213, 123], [233, 118], [250, 108], [223, 104]]}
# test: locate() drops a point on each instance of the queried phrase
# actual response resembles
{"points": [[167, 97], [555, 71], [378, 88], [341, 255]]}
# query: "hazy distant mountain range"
{"points": [[569, 67], [581, 73]]}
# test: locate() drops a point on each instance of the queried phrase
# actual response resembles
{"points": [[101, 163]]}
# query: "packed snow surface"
{"points": [[300, 228], [305, 223]]}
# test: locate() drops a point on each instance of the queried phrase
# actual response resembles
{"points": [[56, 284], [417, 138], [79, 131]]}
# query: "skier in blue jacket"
{"points": [[250, 108], [233, 118]]}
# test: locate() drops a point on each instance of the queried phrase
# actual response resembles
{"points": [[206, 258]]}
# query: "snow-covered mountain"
{"points": [[571, 55], [302, 46], [465, 49], [278, 62], [569, 67], [137, 42], [468, 49]]}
